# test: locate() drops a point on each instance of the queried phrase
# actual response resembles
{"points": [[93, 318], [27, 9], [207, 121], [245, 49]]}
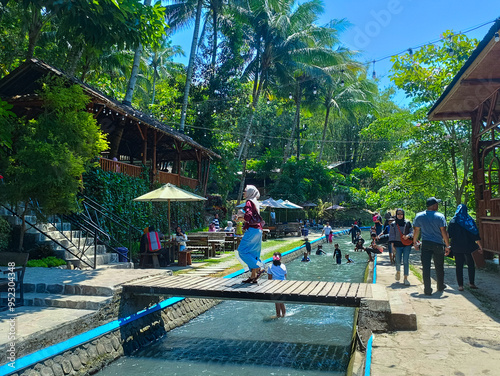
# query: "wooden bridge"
{"points": [[306, 292]]}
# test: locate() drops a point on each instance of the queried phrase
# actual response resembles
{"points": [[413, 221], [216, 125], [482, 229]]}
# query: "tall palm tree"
{"points": [[180, 14], [345, 92], [160, 63], [287, 47]]}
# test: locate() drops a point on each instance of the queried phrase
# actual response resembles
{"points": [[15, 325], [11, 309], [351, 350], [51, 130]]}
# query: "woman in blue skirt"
{"points": [[251, 243]]}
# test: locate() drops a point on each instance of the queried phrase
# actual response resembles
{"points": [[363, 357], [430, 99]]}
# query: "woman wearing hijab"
{"points": [[401, 231], [251, 243], [465, 239]]}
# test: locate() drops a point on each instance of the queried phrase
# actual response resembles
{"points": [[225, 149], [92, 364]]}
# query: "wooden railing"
{"points": [[123, 168], [167, 177], [135, 171], [191, 183]]}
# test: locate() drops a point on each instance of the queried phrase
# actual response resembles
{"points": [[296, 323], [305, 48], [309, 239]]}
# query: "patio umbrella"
{"points": [[288, 205], [335, 207], [168, 193], [308, 204]]}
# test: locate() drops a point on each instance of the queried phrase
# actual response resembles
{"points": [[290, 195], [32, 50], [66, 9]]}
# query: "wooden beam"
{"points": [[452, 115], [154, 153], [481, 81], [145, 145]]}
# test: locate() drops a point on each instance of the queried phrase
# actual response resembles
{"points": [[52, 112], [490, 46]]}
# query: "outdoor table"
{"points": [[215, 243], [171, 250]]}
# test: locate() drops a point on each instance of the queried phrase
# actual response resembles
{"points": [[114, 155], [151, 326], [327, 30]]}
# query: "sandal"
{"points": [[248, 280], [259, 273], [473, 286], [460, 288]]}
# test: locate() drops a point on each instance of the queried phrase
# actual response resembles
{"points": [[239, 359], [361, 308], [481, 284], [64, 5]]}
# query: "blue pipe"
{"points": [[368, 361], [375, 270]]}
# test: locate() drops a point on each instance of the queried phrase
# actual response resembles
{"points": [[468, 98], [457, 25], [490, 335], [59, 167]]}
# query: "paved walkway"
{"points": [[458, 332]]}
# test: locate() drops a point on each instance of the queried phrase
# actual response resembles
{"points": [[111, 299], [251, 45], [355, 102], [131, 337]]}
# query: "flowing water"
{"points": [[243, 338]]}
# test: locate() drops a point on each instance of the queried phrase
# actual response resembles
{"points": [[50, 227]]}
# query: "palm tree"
{"points": [[180, 14], [345, 92], [160, 62]]}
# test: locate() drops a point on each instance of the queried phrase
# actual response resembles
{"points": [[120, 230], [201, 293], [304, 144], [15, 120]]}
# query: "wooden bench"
{"points": [[198, 245], [14, 275], [153, 256], [288, 228]]}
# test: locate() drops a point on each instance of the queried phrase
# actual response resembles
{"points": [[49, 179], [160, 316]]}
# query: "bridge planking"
{"points": [[305, 292]]}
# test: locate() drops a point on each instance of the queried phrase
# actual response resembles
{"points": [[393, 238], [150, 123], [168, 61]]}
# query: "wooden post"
{"points": [[144, 144]]}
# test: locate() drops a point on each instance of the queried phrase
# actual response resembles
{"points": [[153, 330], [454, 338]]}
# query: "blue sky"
{"points": [[383, 28]]}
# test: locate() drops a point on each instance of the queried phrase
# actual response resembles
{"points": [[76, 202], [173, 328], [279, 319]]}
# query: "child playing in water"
{"points": [[320, 251], [337, 254], [374, 247], [308, 246], [349, 260], [305, 258], [277, 271]]}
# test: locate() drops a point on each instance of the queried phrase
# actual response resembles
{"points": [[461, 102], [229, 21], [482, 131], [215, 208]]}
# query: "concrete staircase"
{"points": [[73, 296], [79, 245]]}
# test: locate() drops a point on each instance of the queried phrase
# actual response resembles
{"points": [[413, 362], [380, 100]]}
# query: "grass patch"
{"points": [[416, 273], [449, 261]]}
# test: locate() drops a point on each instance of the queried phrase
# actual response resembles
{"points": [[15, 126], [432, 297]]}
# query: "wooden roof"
{"points": [[478, 79], [22, 83]]}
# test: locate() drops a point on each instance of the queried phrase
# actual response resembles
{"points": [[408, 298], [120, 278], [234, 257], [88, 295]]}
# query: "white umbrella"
{"points": [[168, 193]]}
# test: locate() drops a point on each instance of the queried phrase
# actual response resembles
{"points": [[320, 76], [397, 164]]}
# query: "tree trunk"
{"points": [[214, 47], [23, 227], [324, 134], [247, 132], [242, 182], [74, 58], [192, 55], [34, 30], [154, 88], [135, 69]]}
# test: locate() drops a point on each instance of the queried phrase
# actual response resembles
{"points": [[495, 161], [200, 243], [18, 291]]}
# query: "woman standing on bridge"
{"points": [[251, 243]]}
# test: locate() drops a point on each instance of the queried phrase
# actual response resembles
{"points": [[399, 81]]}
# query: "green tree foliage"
{"points": [[50, 153], [304, 179], [437, 156]]}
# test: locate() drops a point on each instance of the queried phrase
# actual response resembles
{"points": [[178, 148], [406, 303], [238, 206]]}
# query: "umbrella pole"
{"points": [[169, 234]]}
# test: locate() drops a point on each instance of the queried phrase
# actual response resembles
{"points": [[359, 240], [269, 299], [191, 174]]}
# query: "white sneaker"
{"points": [[407, 283], [398, 276]]}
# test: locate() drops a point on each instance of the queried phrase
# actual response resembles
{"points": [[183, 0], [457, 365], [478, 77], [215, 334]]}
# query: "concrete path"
{"points": [[458, 332]]}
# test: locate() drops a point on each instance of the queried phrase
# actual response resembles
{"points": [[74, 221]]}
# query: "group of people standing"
{"points": [[435, 244]]}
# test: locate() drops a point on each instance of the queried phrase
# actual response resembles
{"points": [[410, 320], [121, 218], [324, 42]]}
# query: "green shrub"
{"points": [[47, 262], [37, 263], [5, 231], [54, 261]]}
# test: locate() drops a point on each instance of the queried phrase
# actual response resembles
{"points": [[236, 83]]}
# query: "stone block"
{"points": [[66, 366], [108, 346], [40, 287], [55, 289], [115, 342], [82, 354], [92, 352], [101, 350], [46, 371], [57, 369], [403, 317], [75, 361]]}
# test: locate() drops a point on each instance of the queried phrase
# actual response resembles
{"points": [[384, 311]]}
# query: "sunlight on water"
{"points": [[243, 338]]}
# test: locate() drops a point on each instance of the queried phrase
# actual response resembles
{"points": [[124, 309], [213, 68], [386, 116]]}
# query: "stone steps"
{"points": [[86, 302], [68, 289]]}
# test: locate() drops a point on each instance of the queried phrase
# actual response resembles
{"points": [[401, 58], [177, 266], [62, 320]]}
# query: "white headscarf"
{"points": [[253, 194]]}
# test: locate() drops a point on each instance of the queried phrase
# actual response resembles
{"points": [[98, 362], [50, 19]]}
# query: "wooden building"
{"points": [[136, 139], [474, 94]]}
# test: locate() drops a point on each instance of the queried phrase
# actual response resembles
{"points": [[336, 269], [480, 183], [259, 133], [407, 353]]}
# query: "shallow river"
{"points": [[243, 338]]}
